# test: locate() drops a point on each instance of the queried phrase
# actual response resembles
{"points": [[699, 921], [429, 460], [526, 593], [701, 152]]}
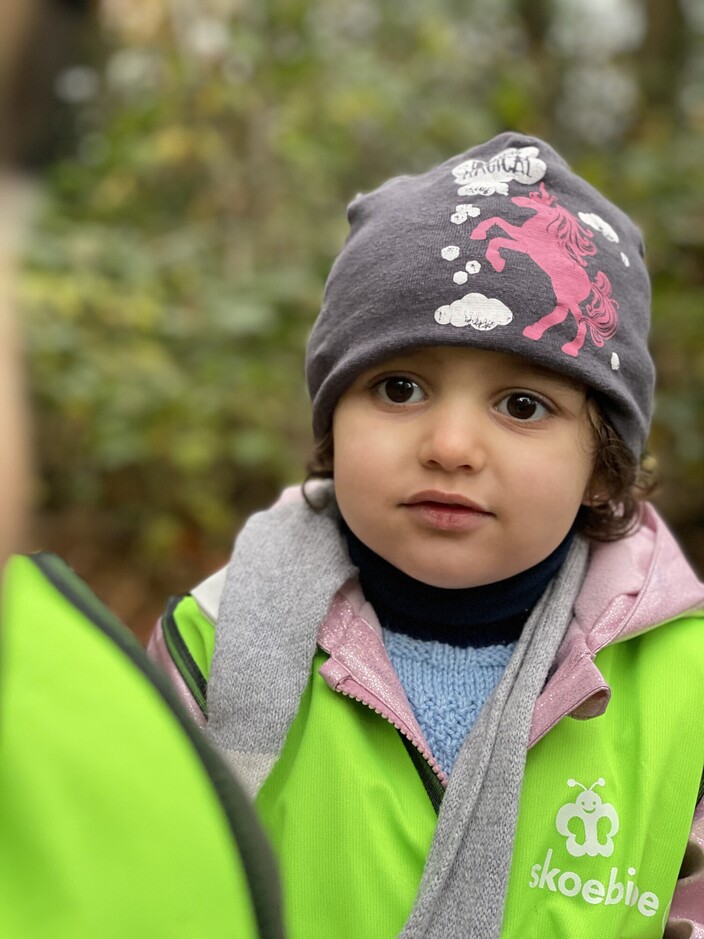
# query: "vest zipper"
{"points": [[432, 776], [431, 783]]}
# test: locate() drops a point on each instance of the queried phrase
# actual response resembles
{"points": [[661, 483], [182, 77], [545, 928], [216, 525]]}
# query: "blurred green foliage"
{"points": [[179, 254]]}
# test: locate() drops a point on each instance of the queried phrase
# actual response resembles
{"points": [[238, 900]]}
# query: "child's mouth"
{"points": [[446, 512]]}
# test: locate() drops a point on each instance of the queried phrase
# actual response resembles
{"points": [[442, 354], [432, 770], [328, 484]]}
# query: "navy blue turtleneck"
{"points": [[473, 616], [449, 647]]}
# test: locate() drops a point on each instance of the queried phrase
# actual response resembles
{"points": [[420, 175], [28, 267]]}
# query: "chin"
{"points": [[444, 579]]}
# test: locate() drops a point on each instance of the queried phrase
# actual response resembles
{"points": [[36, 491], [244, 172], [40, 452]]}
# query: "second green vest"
{"points": [[605, 812]]}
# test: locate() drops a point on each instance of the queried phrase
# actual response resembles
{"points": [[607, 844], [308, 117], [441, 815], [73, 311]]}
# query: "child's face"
{"points": [[461, 467]]}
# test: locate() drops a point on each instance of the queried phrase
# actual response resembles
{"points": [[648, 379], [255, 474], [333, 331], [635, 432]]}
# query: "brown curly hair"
{"points": [[619, 483]]}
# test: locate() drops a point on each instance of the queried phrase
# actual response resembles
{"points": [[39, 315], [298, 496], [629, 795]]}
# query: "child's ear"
{"points": [[596, 491], [591, 494]]}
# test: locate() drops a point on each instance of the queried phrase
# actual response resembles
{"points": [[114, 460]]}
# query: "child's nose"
{"points": [[453, 440]]}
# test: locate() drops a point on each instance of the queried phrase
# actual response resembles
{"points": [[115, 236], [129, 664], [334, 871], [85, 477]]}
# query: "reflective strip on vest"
{"points": [[605, 811]]}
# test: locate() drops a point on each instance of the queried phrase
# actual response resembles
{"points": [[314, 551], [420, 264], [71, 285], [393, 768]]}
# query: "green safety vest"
{"points": [[605, 811], [117, 819]]}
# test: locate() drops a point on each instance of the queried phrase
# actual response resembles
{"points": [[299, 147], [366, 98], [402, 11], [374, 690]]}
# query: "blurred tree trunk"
{"points": [[19, 18], [662, 61], [38, 38], [535, 17]]}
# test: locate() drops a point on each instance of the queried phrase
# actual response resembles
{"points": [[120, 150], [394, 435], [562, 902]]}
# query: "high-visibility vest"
{"points": [[605, 812], [604, 817], [117, 819]]}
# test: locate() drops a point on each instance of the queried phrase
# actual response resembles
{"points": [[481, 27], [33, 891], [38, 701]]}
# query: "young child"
{"points": [[464, 676]]}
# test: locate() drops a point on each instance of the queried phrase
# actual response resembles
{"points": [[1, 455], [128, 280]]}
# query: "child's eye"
{"points": [[523, 407], [399, 390]]}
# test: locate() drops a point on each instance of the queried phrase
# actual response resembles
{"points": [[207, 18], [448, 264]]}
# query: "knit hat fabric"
{"points": [[502, 248]]}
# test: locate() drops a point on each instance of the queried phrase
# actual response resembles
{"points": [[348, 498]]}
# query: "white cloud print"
{"points": [[484, 177], [599, 224], [463, 212], [475, 310]]}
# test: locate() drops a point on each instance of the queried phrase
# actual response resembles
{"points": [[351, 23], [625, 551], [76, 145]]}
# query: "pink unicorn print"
{"points": [[559, 244]]}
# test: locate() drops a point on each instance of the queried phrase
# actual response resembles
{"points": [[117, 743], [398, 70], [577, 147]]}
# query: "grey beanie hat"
{"points": [[501, 248]]}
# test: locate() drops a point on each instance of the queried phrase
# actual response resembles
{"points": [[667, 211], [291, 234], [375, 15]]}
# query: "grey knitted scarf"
{"points": [[286, 567]]}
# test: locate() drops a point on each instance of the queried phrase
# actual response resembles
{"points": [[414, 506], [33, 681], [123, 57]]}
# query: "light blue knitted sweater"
{"points": [[447, 686]]}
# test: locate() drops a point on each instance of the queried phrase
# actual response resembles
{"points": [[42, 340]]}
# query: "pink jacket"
{"points": [[632, 585]]}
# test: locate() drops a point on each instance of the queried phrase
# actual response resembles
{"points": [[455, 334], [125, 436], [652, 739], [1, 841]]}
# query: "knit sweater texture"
{"points": [[446, 686]]}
